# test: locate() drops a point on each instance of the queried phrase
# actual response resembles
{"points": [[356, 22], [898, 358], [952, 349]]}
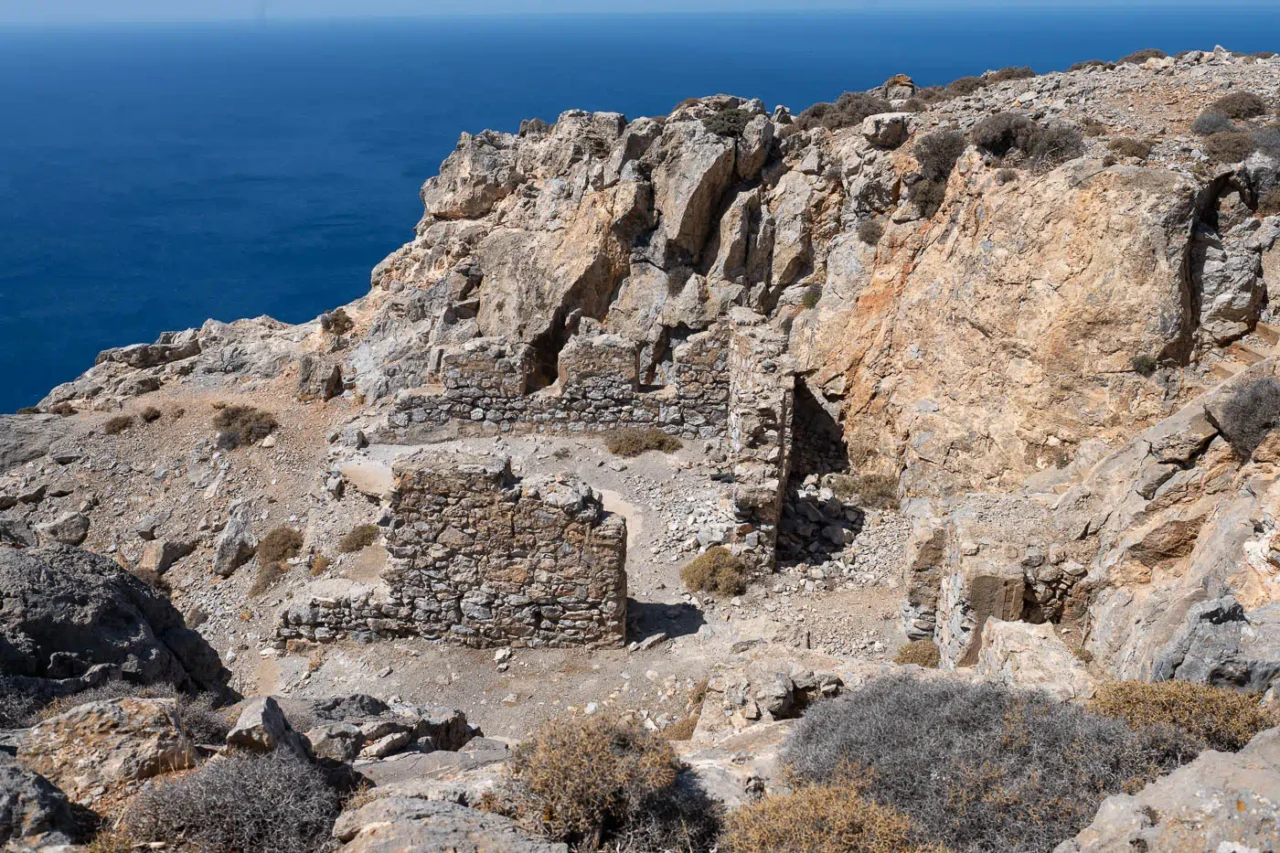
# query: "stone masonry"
{"points": [[483, 558]]}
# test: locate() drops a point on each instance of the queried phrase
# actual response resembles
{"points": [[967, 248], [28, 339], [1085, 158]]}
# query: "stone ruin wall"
{"points": [[482, 558], [487, 385], [734, 381]]}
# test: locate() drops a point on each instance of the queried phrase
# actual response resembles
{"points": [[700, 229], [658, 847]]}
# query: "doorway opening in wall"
{"points": [[546, 352]]}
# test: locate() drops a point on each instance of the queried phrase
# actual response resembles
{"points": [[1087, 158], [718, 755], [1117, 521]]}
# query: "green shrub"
{"points": [[1216, 717], [833, 818], [1228, 147], [632, 442], [117, 424], [715, 570], [237, 803], [588, 781], [1143, 365], [1250, 414], [976, 767], [812, 294], [1140, 56], [358, 538], [920, 652], [241, 425], [730, 122], [1127, 146], [870, 231], [1240, 105]]}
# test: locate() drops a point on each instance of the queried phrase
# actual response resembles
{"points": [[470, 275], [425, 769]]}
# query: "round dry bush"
{"points": [[920, 652], [1228, 146], [1000, 133], [1219, 718], [818, 819], [1269, 204], [1240, 105], [237, 803], [937, 154], [870, 231], [965, 86], [976, 767], [715, 570], [118, 424], [1209, 123], [591, 780], [1127, 146], [241, 425], [630, 443], [358, 538], [1250, 414], [849, 109], [1140, 56], [1267, 140], [1055, 143], [279, 545]]}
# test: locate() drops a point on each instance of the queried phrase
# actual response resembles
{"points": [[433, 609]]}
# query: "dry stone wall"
{"points": [[483, 558], [487, 386]]}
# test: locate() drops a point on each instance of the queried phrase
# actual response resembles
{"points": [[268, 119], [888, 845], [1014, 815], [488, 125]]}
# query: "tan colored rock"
{"points": [[1219, 802], [1023, 656], [93, 751]]}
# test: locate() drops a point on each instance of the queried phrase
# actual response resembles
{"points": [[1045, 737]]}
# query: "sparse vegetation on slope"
{"points": [[715, 570], [241, 425], [1218, 717], [630, 443]]}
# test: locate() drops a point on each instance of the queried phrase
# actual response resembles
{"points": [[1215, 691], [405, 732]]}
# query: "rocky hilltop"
{"points": [[987, 369]]}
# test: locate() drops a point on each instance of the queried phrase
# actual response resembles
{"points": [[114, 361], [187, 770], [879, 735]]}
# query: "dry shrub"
{"points": [[279, 545], [870, 231], [1006, 176], [937, 154], [681, 729], [1055, 143], [1269, 204], [1230, 146], [818, 819], [920, 652], [1140, 56], [1019, 72], [62, 410], [1091, 127], [849, 109], [632, 442], [1143, 365], [1217, 717], [241, 425], [269, 574], [1127, 146], [118, 424], [1001, 133], [1250, 414], [975, 767], [1088, 63], [1240, 105], [358, 538], [715, 570], [812, 295], [150, 414], [336, 322], [878, 491], [590, 780], [238, 803], [1209, 122], [1267, 140], [319, 565], [197, 714], [965, 86]]}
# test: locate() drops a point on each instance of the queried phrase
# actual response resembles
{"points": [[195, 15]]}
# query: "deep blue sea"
{"points": [[151, 177]]}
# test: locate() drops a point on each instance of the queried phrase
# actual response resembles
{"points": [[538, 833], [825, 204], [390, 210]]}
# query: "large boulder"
{"points": [[394, 824], [27, 437], [94, 750], [1033, 657], [64, 611], [1218, 802], [263, 727], [32, 810]]}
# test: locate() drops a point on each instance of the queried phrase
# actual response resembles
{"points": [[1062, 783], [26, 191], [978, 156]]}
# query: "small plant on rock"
{"points": [[241, 425], [150, 414], [358, 538], [1127, 146], [923, 653], [870, 231], [337, 322], [632, 442], [1006, 176], [1143, 365], [937, 154], [812, 295], [728, 123], [1269, 204], [279, 545], [715, 570], [117, 424], [1218, 717], [1209, 123], [1140, 56], [1250, 415]]}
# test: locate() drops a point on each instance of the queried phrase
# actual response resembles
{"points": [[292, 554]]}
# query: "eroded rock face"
{"points": [[32, 811], [67, 611], [1032, 657], [1217, 802], [95, 749]]}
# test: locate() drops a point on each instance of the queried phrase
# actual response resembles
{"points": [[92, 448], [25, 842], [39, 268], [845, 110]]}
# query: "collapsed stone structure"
{"points": [[484, 558]]}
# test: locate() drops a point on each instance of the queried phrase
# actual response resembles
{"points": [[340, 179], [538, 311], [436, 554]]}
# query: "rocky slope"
{"points": [[997, 422]]}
